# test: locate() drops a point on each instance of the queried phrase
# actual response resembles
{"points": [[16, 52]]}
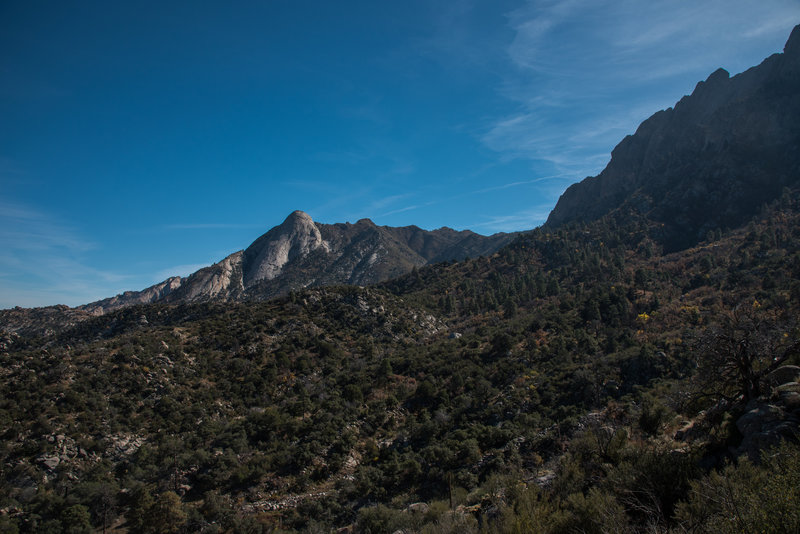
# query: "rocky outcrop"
{"points": [[46, 321], [774, 416], [710, 162], [302, 253], [764, 425], [222, 280], [782, 375], [130, 298], [360, 253], [298, 236]]}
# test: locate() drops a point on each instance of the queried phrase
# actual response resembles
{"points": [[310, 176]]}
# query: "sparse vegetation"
{"points": [[555, 387]]}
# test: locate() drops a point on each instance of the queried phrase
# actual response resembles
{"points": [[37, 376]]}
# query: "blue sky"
{"points": [[145, 139]]}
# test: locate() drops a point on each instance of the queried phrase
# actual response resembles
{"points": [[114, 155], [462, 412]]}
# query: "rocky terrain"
{"points": [[573, 381], [38, 321], [301, 253], [710, 162]]}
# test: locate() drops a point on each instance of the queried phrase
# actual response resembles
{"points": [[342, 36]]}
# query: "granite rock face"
{"points": [[710, 162], [298, 236], [130, 298], [764, 425], [301, 253]]}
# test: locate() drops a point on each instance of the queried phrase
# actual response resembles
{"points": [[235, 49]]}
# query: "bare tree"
{"points": [[735, 355]]}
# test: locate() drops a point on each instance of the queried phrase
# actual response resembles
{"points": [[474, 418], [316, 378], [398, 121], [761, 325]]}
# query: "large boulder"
{"points": [[764, 425], [782, 375]]}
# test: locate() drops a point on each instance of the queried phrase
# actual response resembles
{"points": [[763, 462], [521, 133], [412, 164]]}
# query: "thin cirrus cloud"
{"points": [[43, 261], [207, 226], [528, 218], [520, 183], [584, 73], [383, 202], [400, 210], [26, 229]]}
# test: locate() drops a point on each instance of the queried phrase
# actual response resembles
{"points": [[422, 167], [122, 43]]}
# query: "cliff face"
{"points": [[302, 253], [265, 259], [710, 162]]}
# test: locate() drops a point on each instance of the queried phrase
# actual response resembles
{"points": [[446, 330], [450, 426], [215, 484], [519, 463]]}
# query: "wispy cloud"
{"points": [[400, 210], [43, 260], [462, 38], [380, 206], [512, 222], [207, 226], [383, 202], [346, 157], [520, 183], [24, 228], [11, 172], [776, 22]]}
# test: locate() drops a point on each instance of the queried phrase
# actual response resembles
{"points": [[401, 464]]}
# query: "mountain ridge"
{"points": [[709, 162], [301, 253]]}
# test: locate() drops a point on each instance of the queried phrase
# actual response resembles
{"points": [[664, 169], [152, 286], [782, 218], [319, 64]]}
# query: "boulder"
{"points": [[50, 462], [782, 375], [417, 508], [758, 417], [688, 431], [763, 425], [790, 399], [788, 387]]}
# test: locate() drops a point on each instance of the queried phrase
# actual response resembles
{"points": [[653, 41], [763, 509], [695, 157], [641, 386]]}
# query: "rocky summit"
{"points": [[709, 163], [301, 253]]}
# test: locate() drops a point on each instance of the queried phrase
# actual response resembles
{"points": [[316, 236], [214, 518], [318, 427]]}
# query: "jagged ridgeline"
{"points": [[614, 371], [301, 253], [709, 163]]}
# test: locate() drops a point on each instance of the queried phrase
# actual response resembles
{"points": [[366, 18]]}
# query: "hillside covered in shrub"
{"points": [[578, 380]]}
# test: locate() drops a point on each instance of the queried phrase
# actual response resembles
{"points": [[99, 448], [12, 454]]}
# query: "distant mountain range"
{"points": [[710, 162], [301, 253]]}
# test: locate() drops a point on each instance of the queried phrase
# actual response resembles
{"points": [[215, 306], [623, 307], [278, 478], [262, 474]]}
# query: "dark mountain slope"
{"points": [[711, 162]]}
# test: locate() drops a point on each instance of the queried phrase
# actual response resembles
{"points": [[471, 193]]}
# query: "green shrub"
{"points": [[748, 498]]}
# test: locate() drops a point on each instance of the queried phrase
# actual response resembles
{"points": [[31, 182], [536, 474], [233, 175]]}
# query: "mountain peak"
{"points": [[297, 218], [710, 162], [266, 257], [792, 47], [299, 214], [718, 76]]}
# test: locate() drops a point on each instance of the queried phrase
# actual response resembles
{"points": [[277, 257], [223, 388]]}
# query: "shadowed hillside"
{"points": [[710, 162]]}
